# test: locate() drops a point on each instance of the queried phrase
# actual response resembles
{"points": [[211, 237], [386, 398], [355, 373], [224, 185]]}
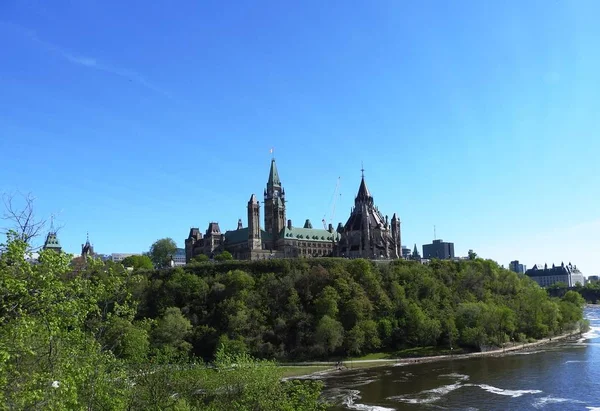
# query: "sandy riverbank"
{"points": [[348, 365]]}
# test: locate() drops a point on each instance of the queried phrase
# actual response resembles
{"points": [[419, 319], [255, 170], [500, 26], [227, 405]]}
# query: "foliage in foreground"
{"points": [[233, 382], [69, 340]]}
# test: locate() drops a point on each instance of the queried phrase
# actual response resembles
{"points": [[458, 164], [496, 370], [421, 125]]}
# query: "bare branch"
{"points": [[21, 218]]}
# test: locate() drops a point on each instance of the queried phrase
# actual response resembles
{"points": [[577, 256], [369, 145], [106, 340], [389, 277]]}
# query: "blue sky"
{"points": [[137, 120]]}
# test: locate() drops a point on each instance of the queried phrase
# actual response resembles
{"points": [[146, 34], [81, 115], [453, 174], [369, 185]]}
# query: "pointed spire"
{"points": [[52, 242], [253, 199], [273, 175], [363, 191]]}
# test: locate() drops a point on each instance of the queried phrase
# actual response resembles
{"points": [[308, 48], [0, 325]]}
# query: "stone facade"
{"points": [[87, 249], [367, 233], [568, 274]]}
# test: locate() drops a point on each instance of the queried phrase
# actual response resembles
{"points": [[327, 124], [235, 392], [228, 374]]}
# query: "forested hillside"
{"points": [[327, 308]]}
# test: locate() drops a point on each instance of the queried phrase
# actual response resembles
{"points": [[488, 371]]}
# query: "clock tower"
{"points": [[274, 202]]}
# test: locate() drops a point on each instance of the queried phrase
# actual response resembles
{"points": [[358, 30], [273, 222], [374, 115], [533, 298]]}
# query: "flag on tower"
{"points": [[271, 150]]}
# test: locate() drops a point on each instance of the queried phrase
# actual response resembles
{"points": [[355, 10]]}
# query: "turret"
{"points": [[415, 254], [254, 240], [274, 205], [396, 236], [87, 250], [194, 236], [52, 242]]}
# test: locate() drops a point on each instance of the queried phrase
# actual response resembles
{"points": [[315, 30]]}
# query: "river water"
{"points": [[561, 376]]}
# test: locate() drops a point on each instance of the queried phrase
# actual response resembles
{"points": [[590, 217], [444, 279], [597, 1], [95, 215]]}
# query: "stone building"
{"points": [[87, 249], [568, 274], [367, 233]]}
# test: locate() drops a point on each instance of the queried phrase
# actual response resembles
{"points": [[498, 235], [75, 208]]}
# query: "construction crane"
{"points": [[334, 198]]}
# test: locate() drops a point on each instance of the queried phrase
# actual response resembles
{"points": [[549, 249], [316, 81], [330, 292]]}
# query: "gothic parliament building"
{"points": [[367, 233]]}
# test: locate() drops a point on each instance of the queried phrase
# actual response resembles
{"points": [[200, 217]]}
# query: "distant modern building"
{"points": [[592, 279], [438, 249], [179, 257], [545, 277], [118, 257], [517, 268], [405, 252]]}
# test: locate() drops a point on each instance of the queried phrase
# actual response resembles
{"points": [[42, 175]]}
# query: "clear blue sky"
{"points": [[136, 120]]}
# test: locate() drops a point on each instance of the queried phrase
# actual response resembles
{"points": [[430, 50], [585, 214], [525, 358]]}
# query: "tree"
{"points": [[137, 262], [201, 258], [49, 357], [224, 256], [162, 251], [171, 330], [329, 334], [22, 220], [472, 255]]}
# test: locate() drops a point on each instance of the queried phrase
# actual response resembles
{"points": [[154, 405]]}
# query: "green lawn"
{"points": [[297, 371], [372, 356], [368, 360], [425, 352], [408, 353]]}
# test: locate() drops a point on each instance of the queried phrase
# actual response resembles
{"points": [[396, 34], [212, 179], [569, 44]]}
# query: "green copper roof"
{"points": [[273, 175], [52, 241], [240, 236], [309, 234]]}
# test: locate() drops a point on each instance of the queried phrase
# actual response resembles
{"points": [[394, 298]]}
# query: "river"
{"points": [[560, 376]]}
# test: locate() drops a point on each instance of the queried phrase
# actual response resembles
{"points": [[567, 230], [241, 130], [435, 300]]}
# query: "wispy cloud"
{"points": [[86, 61]]}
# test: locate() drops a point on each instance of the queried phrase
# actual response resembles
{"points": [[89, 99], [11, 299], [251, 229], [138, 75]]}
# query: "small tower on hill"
{"points": [[87, 250], [52, 242], [254, 240], [274, 200]]}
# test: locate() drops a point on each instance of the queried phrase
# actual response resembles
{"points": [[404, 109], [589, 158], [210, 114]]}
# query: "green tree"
{"points": [[329, 334], [126, 340], [138, 262], [201, 258], [472, 255], [224, 256], [49, 357], [171, 332], [162, 251], [327, 303]]}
